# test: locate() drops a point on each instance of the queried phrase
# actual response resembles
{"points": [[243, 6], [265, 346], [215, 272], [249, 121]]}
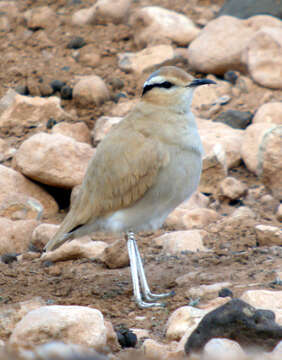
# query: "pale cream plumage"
{"points": [[142, 164]]}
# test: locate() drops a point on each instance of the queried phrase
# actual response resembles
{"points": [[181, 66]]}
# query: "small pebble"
{"points": [[22, 90], [66, 92], [50, 123], [225, 292], [76, 43], [231, 76], [8, 258], [57, 85]]}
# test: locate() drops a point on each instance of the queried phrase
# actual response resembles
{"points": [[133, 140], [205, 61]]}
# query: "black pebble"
{"points": [[50, 123], [66, 92], [76, 43], [126, 338], [57, 85], [231, 76], [22, 90], [8, 258], [225, 292]]}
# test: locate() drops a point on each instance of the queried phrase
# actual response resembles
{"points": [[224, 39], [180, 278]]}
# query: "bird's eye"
{"points": [[166, 85]]}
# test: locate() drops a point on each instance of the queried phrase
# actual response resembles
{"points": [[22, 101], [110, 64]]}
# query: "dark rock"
{"points": [[22, 90], [235, 118], [8, 258], [238, 321], [231, 76], [246, 8], [76, 43], [225, 292], [50, 123], [57, 85], [126, 337], [118, 96], [66, 92]]}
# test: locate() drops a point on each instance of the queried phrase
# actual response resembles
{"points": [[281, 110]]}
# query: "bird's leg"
{"points": [[144, 284], [134, 273], [139, 274]]}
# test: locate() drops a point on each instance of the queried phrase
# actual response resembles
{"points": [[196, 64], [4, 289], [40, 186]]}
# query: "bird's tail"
{"points": [[64, 233]]}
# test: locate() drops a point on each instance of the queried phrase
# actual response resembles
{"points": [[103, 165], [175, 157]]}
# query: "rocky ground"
{"points": [[69, 71]]}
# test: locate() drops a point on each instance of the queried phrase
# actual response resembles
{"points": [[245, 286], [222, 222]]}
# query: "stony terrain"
{"points": [[69, 71]]}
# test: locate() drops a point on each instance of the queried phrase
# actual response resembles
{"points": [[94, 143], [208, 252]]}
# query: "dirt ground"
{"points": [[234, 256]]}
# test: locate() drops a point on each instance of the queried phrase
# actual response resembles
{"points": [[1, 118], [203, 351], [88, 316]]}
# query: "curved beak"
{"points": [[198, 82]]}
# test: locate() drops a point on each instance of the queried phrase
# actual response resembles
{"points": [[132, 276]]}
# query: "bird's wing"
{"points": [[124, 167]]}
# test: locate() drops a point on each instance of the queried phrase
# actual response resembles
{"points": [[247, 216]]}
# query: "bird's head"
{"points": [[171, 86]]}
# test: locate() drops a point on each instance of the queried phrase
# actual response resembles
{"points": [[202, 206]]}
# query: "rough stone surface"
{"points": [[21, 207], [102, 126], [42, 234], [263, 57], [78, 131], [268, 235], [206, 57], [246, 8], [15, 235], [110, 258], [221, 140], [70, 324], [13, 183], [40, 17], [251, 143], [27, 111], [183, 319], [233, 188], [147, 59], [238, 321], [178, 241], [223, 349], [269, 113], [11, 314], [90, 90], [236, 119], [77, 249], [55, 160], [155, 24], [270, 161]]}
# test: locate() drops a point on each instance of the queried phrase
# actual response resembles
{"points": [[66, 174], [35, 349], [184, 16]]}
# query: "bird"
{"points": [[142, 170]]}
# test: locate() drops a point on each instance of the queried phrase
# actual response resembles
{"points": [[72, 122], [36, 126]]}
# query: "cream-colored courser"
{"points": [[145, 167]]}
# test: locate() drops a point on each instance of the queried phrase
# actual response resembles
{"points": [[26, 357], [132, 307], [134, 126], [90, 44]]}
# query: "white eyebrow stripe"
{"points": [[155, 80]]}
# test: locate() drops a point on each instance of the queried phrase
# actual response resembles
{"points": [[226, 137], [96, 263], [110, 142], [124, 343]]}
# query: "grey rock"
{"points": [[235, 118], [246, 8], [238, 321]]}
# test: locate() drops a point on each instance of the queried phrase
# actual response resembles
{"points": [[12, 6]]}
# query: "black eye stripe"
{"points": [[165, 84]]}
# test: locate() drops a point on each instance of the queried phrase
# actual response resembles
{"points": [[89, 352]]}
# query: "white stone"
{"points": [[145, 60], [268, 235], [42, 234], [154, 351], [223, 349], [264, 299], [207, 289], [233, 188], [13, 183], [102, 126], [53, 159], [183, 319], [26, 111], [215, 133], [269, 113], [15, 235], [153, 24], [123, 108], [211, 52], [263, 57], [70, 324], [90, 90], [78, 131], [77, 249], [177, 241], [110, 11], [251, 144], [40, 17]]}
